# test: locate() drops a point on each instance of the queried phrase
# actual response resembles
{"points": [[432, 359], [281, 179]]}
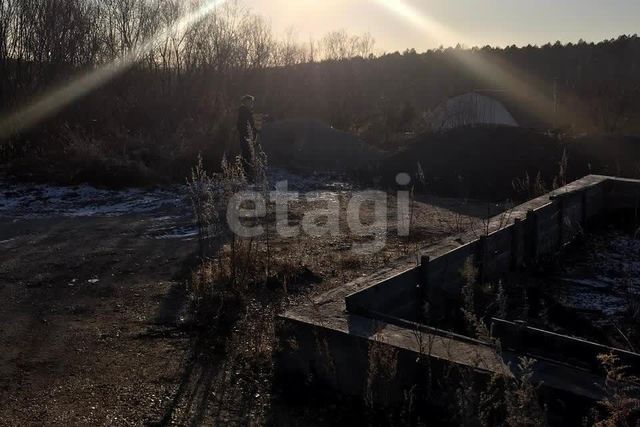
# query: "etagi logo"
{"points": [[246, 207]]}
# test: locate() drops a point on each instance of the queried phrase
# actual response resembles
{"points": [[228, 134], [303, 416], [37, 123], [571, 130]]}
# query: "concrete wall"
{"points": [[538, 343], [359, 361], [330, 340], [396, 296], [516, 239]]}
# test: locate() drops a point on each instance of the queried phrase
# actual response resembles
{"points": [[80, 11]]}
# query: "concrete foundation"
{"points": [[330, 340]]}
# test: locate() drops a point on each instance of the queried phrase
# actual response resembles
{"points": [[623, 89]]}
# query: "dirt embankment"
{"points": [[485, 162], [312, 145]]}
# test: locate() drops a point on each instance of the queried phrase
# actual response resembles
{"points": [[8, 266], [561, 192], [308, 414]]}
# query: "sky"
{"points": [[425, 24]]}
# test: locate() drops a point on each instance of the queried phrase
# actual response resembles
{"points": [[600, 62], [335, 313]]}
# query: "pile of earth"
{"points": [[493, 162], [301, 144]]}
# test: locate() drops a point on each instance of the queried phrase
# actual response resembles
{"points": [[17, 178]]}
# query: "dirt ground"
{"points": [[94, 323]]}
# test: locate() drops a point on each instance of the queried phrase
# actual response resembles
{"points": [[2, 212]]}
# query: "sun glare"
{"points": [[493, 73], [58, 98]]}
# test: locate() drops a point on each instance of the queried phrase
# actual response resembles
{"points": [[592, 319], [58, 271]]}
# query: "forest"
{"points": [[176, 90]]}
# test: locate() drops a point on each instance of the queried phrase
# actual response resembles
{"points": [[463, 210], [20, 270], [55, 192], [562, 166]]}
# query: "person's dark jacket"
{"points": [[245, 122]]}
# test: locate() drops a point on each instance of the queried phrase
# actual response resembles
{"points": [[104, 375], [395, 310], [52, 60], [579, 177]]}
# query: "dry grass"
{"points": [[502, 400], [279, 271], [521, 397], [469, 308], [622, 403]]}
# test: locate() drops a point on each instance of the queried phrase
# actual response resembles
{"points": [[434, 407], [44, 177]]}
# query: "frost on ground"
{"points": [[604, 278], [41, 201], [168, 212], [168, 209]]}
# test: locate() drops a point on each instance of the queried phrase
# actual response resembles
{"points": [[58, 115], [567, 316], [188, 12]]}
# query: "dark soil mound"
{"points": [[478, 162], [493, 163], [605, 155], [300, 144]]}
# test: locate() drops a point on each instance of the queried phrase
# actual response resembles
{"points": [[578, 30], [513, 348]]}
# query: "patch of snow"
{"points": [[41, 201], [577, 298], [168, 209], [592, 283], [605, 279]]}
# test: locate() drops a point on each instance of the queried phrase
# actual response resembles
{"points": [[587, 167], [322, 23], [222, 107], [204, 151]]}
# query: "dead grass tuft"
{"points": [[621, 404]]}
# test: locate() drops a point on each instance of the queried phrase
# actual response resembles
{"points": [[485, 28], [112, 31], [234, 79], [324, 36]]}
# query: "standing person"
{"points": [[247, 131]]}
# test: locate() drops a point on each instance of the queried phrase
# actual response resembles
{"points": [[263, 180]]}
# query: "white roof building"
{"points": [[470, 109]]}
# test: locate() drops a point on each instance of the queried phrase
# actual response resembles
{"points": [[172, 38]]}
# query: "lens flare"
{"points": [[58, 98], [498, 74]]}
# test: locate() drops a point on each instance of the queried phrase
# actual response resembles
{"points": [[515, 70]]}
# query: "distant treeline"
{"points": [[180, 96], [183, 87], [590, 87]]}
